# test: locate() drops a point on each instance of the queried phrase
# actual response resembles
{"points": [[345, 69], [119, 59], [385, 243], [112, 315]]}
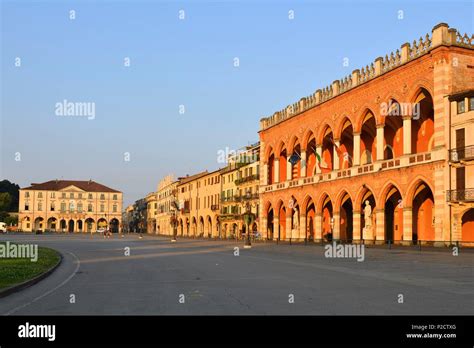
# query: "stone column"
{"points": [[276, 170], [380, 226], [303, 227], [336, 232], [276, 226], [319, 151], [289, 170], [407, 135], [265, 174], [303, 164], [356, 159], [289, 230], [335, 154], [380, 141], [356, 225], [318, 228], [407, 225]]}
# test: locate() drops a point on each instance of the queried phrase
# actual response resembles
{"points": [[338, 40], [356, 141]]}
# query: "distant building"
{"points": [[166, 193], [239, 187], [151, 213], [69, 206]]}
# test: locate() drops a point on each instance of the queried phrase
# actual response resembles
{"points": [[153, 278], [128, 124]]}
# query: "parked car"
{"points": [[3, 227]]}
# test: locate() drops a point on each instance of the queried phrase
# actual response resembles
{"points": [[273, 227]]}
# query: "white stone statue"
{"points": [[295, 220], [367, 215]]}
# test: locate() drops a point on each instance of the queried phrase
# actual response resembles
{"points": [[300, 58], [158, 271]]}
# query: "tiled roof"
{"points": [[56, 185], [187, 179]]}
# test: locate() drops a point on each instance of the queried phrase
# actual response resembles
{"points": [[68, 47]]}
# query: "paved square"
{"points": [[205, 277]]}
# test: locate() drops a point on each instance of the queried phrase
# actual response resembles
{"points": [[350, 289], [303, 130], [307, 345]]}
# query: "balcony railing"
{"points": [[247, 179], [370, 168], [461, 154], [465, 195], [224, 217]]}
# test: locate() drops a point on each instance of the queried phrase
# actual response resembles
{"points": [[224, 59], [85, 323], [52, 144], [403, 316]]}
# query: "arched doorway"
{"points": [[393, 131], [327, 219], [79, 225], [310, 214], [393, 210], [296, 161], [39, 224], [270, 222], [209, 226], [311, 156], [422, 123], [346, 149], [346, 219], [63, 225], [70, 228], [89, 225], [367, 196], [367, 139], [201, 226], [327, 158], [52, 224], [423, 214], [114, 225], [467, 232], [271, 169], [102, 223]]}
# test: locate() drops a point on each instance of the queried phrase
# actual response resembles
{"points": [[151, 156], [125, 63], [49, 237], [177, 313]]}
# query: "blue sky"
{"points": [[176, 62]]}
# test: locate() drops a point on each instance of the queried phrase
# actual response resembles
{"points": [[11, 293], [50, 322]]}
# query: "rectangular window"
{"points": [[27, 206], [115, 209], [461, 106], [63, 195], [27, 194], [52, 207], [71, 195], [79, 208], [90, 195], [40, 194], [471, 103], [115, 197], [102, 208], [80, 195], [89, 208], [53, 195], [63, 207], [102, 196]]}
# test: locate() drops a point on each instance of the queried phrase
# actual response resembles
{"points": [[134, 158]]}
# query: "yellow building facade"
{"points": [[165, 195], [69, 206]]}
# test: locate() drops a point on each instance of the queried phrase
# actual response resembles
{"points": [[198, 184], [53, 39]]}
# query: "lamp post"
{"points": [[248, 218], [174, 217]]}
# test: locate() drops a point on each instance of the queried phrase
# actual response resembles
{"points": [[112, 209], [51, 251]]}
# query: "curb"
{"points": [[30, 282]]}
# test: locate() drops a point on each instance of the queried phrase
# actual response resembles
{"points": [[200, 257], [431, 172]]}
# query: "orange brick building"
{"points": [[366, 158]]}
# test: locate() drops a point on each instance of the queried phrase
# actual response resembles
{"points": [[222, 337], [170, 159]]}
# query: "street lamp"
{"points": [[248, 218], [174, 217]]}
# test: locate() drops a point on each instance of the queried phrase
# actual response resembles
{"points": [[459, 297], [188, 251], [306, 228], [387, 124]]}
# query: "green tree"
{"points": [[5, 201], [14, 191], [11, 220]]}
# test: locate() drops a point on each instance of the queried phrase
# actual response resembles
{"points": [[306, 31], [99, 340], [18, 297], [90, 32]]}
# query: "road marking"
{"points": [[49, 291]]}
